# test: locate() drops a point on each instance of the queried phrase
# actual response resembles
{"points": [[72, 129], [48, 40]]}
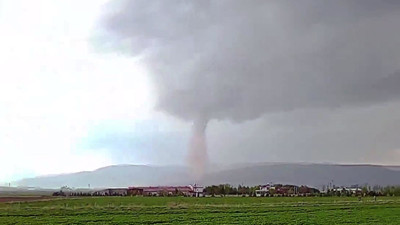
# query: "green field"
{"points": [[181, 210]]}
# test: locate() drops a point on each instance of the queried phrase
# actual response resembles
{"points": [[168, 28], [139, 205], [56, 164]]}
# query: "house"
{"points": [[347, 190], [197, 191], [264, 190], [355, 190]]}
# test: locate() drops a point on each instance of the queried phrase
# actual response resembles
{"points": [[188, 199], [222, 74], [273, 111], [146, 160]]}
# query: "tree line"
{"points": [[227, 189], [287, 190], [365, 191]]}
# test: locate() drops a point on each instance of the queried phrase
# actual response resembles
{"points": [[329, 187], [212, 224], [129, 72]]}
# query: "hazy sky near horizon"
{"points": [[86, 84]]}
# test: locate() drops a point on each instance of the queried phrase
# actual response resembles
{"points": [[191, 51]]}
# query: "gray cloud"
{"points": [[344, 135], [241, 59]]}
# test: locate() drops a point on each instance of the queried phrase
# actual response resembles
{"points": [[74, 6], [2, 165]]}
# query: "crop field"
{"points": [[183, 210]]}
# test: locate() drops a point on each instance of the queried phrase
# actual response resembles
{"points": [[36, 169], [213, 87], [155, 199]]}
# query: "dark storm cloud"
{"points": [[345, 135], [241, 59]]}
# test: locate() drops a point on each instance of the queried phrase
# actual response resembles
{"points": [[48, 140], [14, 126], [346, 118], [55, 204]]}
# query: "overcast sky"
{"points": [[86, 84]]}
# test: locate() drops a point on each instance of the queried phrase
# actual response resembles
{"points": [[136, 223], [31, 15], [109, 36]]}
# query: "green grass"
{"points": [[228, 210]]}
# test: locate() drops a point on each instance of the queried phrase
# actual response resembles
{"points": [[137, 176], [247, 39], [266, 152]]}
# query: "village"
{"points": [[268, 190]]}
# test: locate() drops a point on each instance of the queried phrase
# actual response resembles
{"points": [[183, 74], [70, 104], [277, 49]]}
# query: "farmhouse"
{"points": [[264, 190]]}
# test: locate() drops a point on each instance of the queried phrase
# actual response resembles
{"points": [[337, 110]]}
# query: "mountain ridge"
{"points": [[312, 174]]}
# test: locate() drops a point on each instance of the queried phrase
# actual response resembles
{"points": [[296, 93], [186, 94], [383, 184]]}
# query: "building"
{"points": [[347, 190], [264, 190], [197, 191], [111, 192], [191, 190], [285, 190]]}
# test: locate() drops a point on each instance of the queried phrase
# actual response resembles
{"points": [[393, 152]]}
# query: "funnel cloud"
{"points": [[198, 157]]}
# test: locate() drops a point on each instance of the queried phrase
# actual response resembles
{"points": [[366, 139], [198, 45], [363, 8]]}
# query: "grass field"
{"points": [[227, 210]]}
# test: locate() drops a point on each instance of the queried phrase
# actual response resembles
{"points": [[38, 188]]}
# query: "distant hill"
{"points": [[309, 174], [112, 176], [248, 174]]}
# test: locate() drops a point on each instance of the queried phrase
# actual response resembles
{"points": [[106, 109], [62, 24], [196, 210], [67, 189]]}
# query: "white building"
{"points": [[198, 191], [264, 190]]}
